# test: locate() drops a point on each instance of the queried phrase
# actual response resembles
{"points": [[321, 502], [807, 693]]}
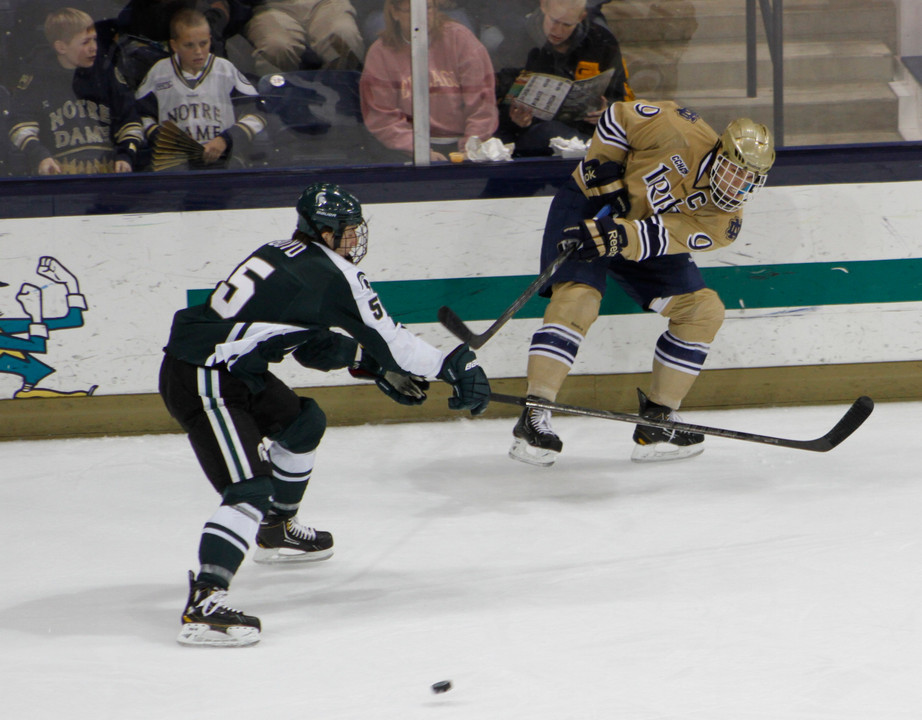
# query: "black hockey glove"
{"points": [[468, 380], [594, 239], [603, 181], [405, 389]]}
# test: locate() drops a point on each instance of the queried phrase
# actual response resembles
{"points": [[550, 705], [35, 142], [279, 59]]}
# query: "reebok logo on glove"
{"points": [[595, 239], [614, 241]]}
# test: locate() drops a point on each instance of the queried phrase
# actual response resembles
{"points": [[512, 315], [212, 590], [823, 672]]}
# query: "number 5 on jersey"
{"points": [[232, 294], [375, 306]]}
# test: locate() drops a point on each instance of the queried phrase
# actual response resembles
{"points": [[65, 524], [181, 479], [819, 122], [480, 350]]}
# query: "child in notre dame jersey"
{"points": [[253, 436], [205, 95], [73, 113]]}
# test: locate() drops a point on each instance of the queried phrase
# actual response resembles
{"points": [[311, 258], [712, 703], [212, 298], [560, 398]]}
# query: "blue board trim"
{"points": [[268, 188]]}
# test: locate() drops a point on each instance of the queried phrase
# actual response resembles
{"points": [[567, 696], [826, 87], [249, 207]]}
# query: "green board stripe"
{"points": [[750, 287]]}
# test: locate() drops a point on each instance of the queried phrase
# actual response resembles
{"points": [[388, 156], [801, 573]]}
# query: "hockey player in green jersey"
{"points": [[674, 187], [253, 436]]}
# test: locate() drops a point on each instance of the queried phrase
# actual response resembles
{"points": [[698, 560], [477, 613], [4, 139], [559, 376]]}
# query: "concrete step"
{"points": [[655, 66], [641, 21], [838, 63], [824, 112]]}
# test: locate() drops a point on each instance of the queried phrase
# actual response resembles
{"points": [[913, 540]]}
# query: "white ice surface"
{"points": [[751, 583]]}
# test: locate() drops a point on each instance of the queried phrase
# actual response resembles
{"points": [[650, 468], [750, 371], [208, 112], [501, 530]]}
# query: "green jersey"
{"points": [[284, 299]]}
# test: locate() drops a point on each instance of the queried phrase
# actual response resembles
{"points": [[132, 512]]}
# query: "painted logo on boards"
{"points": [[24, 337]]}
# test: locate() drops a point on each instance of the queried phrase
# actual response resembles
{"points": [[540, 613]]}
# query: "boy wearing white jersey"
{"points": [[205, 95]]}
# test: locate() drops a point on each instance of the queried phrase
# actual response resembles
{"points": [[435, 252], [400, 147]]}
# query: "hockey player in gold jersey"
{"points": [[657, 184]]}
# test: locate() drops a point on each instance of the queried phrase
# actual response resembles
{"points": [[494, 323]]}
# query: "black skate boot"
{"points": [[208, 620], [535, 441], [653, 444], [285, 540]]}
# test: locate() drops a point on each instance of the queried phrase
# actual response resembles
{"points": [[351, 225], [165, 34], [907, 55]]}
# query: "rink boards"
{"points": [[824, 282]]}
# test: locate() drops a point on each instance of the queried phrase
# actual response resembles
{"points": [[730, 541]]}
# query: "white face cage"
{"points": [[732, 184], [354, 242]]}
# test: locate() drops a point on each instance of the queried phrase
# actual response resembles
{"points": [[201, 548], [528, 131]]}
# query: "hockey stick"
{"points": [[455, 325], [851, 421]]}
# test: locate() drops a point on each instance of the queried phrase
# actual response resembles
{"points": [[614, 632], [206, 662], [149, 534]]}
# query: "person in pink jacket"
{"points": [[462, 100]]}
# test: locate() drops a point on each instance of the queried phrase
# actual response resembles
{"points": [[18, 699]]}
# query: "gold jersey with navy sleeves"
{"points": [[667, 151]]}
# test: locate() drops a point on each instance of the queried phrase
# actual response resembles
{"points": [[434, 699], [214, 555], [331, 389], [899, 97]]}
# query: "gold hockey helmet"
{"points": [[745, 154]]}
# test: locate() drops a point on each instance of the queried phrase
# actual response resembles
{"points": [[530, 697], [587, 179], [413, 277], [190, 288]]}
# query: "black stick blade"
{"points": [[455, 325], [852, 420]]}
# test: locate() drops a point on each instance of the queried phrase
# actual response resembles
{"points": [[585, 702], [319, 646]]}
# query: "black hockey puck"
{"points": [[441, 686]]}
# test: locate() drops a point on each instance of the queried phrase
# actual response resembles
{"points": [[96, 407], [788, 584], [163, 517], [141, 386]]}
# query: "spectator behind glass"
{"points": [[462, 102], [371, 16], [568, 43], [144, 30], [73, 114], [500, 26], [304, 35], [197, 90]]}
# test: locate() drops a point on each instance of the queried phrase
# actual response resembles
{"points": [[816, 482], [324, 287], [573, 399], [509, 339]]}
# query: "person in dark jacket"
{"points": [[568, 43]]}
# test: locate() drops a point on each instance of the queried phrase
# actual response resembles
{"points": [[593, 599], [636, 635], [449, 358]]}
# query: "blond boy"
{"points": [[74, 114], [203, 94]]}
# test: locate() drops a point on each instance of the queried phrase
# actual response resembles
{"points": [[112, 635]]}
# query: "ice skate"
{"points": [[653, 444], [535, 441], [209, 621], [285, 540]]}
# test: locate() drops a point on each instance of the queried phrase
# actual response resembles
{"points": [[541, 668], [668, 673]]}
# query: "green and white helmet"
{"points": [[326, 206], [745, 154]]}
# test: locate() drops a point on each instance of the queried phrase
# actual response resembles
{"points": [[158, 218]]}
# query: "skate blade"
{"points": [[663, 452], [523, 452], [203, 635], [283, 556]]}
